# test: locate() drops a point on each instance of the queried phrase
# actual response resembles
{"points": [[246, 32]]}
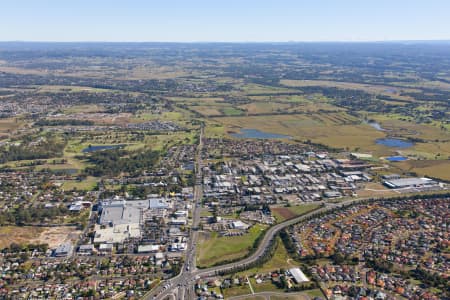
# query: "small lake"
{"points": [[101, 147], [396, 158], [248, 133], [394, 143]]}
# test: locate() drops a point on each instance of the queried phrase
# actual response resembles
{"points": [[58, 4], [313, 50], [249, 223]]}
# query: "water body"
{"points": [[101, 147], [394, 143], [248, 133], [396, 158]]}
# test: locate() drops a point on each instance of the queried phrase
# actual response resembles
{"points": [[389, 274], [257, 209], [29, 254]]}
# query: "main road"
{"points": [[178, 285]]}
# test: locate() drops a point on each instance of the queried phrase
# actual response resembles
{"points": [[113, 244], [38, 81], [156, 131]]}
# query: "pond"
{"points": [[248, 133], [394, 143], [396, 158], [91, 148]]}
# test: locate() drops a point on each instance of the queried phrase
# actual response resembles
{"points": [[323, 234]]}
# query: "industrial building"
{"points": [[412, 182], [298, 275], [63, 250], [117, 234], [117, 212]]}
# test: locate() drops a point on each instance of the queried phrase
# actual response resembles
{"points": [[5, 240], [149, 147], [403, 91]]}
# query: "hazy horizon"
{"points": [[225, 42], [231, 21]]}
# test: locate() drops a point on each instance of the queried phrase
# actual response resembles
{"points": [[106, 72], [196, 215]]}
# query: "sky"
{"points": [[224, 20]]}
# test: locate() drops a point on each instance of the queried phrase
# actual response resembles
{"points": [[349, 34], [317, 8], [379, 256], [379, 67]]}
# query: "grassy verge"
{"points": [[215, 249], [237, 291], [279, 260]]}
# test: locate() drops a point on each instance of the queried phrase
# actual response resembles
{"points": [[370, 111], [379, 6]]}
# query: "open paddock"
{"points": [[18, 234], [369, 88], [8, 125], [53, 236], [214, 249], [327, 129], [434, 168], [285, 213], [255, 89]]}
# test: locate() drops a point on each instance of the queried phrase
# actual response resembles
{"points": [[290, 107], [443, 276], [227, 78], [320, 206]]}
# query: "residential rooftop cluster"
{"points": [[39, 277], [392, 236]]}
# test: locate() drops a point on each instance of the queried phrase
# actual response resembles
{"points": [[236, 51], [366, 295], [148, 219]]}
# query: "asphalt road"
{"points": [[187, 277], [180, 289], [182, 286]]}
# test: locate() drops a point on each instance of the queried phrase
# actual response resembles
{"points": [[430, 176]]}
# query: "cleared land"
{"points": [[214, 249], [18, 235], [53, 236], [433, 168], [285, 213]]}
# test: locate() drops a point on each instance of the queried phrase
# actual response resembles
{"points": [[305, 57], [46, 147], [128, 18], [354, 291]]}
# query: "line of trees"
{"points": [[432, 279], [114, 162], [47, 148], [30, 215], [64, 122]]}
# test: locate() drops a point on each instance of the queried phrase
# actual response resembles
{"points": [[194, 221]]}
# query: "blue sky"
{"points": [[227, 20]]}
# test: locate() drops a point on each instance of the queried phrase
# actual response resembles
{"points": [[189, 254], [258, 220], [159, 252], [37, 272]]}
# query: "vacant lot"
{"points": [[434, 168], [54, 236], [285, 213], [19, 235], [214, 249]]}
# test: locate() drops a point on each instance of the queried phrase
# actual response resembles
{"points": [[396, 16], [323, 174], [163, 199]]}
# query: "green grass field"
{"points": [[216, 249], [280, 259], [237, 291], [266, 286], [84, 185], [231, 111]]}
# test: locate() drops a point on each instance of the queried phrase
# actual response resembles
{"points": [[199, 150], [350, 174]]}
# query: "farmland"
{"points": [[113, 150]]}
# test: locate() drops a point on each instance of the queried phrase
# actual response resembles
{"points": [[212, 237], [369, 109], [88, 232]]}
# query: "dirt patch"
{"points": [[283, 213], [18, 235], [55, 236]]}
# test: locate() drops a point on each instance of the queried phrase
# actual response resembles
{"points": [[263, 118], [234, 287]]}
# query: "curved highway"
{"points": [[186, 278]]}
